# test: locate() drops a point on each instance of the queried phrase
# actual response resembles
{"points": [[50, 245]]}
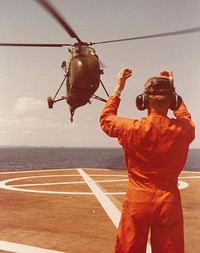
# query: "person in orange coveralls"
{"points": [[155, 150]]}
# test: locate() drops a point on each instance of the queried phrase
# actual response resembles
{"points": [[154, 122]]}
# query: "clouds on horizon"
{"points": [[28, 104], [30, 122]]}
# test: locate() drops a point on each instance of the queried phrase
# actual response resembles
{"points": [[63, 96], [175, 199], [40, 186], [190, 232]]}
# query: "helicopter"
{"points": [[83, 72], [82, 77]]}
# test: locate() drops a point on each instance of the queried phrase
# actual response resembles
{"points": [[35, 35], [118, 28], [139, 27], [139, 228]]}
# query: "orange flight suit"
{"points": [[155, 150]]}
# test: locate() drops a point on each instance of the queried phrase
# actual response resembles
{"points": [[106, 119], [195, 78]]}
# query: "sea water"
{"points": [[33, 158]]}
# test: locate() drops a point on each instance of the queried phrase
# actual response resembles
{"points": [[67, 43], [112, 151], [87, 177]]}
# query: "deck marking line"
{"points": [[20, 248], [112, 211], [66, 183], [182, 185], [190, 177]]}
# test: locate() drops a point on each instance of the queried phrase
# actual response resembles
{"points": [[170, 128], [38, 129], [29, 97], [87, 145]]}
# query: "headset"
{"points": [[142, 100]]}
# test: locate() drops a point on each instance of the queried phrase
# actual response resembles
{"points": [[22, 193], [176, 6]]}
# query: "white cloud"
{"points": [[28, 104]]}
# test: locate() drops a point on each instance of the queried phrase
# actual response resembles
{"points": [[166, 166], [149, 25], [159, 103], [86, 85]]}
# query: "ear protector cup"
{"points": [[176, 102], [142, 102]]}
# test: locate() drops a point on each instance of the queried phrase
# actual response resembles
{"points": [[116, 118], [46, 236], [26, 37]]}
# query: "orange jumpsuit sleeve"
{"points": [[184, 117], [108, 118], [112, 124]]}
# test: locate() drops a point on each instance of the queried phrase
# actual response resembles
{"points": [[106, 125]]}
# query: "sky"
{"points": [[29, 75]]}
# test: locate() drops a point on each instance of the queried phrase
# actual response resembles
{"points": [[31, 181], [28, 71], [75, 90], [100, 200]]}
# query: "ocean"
{"points": [[34, 158]]}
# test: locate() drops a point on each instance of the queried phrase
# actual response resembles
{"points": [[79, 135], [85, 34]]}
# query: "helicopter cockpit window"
{"points": [[83, 51]]}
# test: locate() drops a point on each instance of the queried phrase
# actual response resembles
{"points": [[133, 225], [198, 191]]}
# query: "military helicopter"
{"points": [[82, 72]]}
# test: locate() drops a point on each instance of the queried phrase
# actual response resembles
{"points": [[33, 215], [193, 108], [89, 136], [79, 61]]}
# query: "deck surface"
{"points": [[76, 210]]}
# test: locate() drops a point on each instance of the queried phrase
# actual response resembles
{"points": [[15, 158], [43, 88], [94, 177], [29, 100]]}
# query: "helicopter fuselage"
{"points": [[83, 76]]}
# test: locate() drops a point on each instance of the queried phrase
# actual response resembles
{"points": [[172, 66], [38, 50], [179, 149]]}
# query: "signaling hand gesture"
{"points": [[123, 75], [168, 74]]}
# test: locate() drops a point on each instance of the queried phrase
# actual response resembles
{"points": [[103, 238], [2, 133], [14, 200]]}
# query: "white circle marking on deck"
{"points": [[8, 184]]}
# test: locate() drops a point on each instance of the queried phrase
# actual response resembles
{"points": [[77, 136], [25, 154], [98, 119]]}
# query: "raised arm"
{"points": [[109, 121]]}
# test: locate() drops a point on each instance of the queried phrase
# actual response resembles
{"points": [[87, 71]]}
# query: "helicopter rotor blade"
{"points": [[186, 31], [32, 45], [59, 18]]}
